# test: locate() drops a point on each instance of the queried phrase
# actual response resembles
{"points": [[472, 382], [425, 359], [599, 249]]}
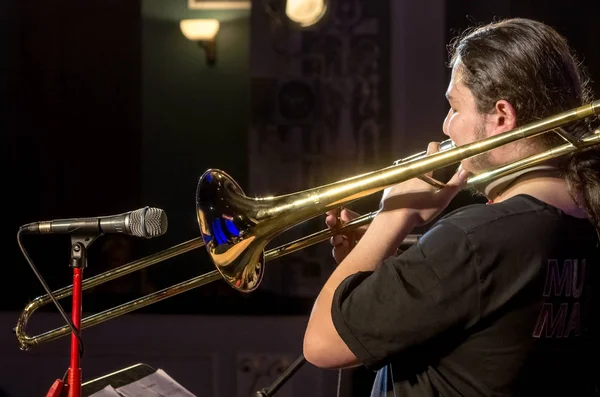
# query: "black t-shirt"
{"points": [[494, 300]]}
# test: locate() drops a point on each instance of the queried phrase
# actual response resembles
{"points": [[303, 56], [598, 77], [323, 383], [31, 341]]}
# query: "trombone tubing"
{"points": [[299, 206], [26, 342]]}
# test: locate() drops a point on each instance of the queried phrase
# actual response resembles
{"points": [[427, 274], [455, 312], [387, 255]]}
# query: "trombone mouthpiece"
{"points": [[148, 222]]}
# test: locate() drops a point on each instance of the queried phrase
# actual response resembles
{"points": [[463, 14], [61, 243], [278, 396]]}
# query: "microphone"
{"points": [[145, 222]]}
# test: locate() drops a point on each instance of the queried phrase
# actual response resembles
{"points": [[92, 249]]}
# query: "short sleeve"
{"points": [[411, 299]]}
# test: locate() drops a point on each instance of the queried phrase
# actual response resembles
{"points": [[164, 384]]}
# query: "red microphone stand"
{"points": [[70, 386]]}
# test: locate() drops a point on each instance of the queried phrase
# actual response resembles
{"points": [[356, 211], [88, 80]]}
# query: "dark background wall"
{"points": [[576, 20], [73, 90]]}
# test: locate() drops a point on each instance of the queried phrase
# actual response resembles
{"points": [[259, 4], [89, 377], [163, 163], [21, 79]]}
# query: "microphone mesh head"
{"points": [[148, 222]]}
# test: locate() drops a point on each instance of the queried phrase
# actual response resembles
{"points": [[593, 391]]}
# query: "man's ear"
{"points": [[503, 118]]}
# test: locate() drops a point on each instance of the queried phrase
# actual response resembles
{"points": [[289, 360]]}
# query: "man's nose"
{"points": [[445, 124]]}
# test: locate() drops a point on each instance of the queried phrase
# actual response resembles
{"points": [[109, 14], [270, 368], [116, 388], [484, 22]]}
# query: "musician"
{"points": [[495, 299]]}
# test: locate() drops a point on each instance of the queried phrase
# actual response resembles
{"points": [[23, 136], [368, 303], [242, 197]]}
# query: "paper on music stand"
{"points": [[108, 391], [158, 384]]}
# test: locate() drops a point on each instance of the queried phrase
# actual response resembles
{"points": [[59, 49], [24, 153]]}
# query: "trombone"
{"points": [[235, 228]]}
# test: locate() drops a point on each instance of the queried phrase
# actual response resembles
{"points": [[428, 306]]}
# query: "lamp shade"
{"points": [[199, 29]]}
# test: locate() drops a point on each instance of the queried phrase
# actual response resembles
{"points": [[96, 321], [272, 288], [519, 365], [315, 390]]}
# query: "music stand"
{"points": [[117, 379]]}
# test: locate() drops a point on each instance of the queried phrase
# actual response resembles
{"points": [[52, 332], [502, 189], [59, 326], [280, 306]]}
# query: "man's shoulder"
{"points": [[476, 216]]}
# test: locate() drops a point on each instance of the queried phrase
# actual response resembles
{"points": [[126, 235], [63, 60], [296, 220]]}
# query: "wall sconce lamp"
{"points": [[305, 12], [204, 32]]}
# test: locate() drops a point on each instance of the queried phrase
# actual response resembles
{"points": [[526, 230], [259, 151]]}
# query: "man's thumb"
{"points": [[458, 180]]}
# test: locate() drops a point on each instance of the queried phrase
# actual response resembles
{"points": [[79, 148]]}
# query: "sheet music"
{"points": [[158, 384], [108, 391]]}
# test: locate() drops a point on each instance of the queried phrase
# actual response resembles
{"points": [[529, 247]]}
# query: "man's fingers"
{"points": [[333, 212], [433, 147], [337, 239], [454, 185], [346, 215], [331, 221], [458, 180]]}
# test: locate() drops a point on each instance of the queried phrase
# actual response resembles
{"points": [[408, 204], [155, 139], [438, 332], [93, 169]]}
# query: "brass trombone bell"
{"points": [[235, 228]]}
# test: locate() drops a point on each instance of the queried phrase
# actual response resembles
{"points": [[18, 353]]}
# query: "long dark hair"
{"points": [[530, 65]]}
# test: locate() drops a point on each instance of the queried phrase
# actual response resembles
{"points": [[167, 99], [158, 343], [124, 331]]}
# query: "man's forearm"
{"points": [[381, 240]]}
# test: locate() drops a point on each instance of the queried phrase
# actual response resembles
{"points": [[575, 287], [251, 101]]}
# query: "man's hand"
{"points": [[420, 201]]}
